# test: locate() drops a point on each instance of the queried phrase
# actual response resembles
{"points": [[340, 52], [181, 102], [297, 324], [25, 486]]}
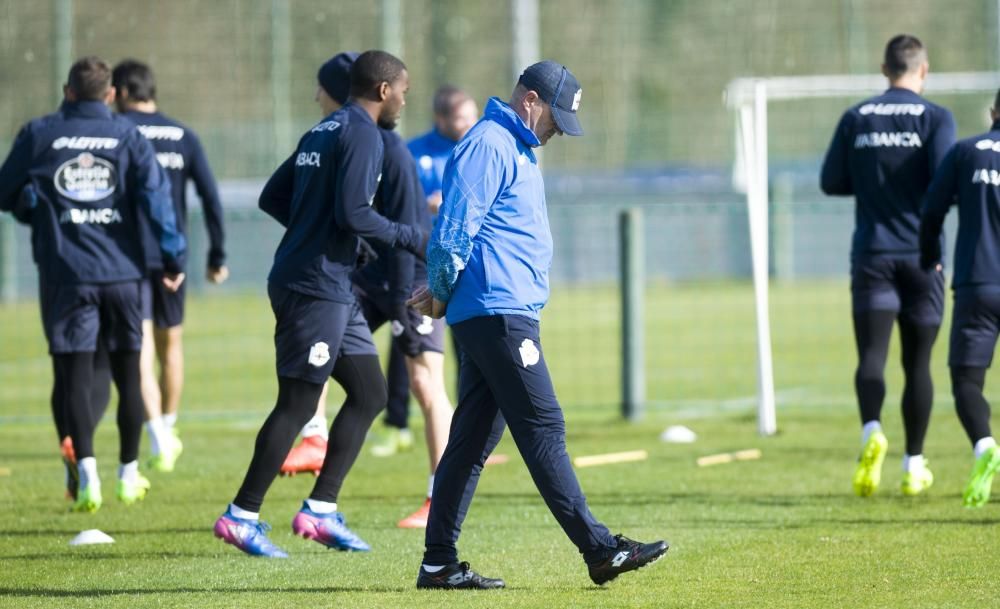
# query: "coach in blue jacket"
{"points": [[93, 174], [884, 152], [970, 173], [488, 272]]}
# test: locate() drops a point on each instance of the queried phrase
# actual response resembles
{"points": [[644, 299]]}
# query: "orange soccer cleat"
{"points": [[418, 519], [308, 456], [69, 462]]}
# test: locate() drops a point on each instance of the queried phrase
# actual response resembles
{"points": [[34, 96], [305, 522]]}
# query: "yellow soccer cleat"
{"points": [[868, 474], [167, 459], [131, 492], [977, 491], [88, 499], [917, 481]]}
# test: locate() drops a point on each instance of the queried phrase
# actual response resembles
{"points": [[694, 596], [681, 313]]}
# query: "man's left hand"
{"points": [[217, 274], [425, 303]]}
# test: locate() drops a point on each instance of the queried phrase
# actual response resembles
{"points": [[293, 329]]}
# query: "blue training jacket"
{"points": [[91, 174], [884, 152], [970, 171], [491, 247], [431, 152]]}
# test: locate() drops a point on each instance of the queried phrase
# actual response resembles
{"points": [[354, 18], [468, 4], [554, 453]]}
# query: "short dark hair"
{"points": [[903, 54], [996, 100], [447, 98], [89, 78], [135, 77], [371, 69]]}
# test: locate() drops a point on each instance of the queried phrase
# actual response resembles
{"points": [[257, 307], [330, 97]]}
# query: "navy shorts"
{"points": [[974, 326], [159, 304], [429, 332], [898, 284], [311, 333], [74, 316]]}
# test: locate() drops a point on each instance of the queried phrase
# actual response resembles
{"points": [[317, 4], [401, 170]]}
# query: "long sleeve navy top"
{"points": [[970, 176], [181, 155], [323, 195], [884, 152], [90, 173]]}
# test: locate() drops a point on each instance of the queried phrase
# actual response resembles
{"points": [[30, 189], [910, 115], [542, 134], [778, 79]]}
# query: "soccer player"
{"points": [[179, 152], [382, 287], [487, 266], [91, 173], [454, 114], [971, 172], [323, 195], [884, 152]]}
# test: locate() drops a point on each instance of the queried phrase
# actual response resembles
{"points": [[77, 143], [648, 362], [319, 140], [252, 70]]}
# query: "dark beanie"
{"points": [[335, 76]]}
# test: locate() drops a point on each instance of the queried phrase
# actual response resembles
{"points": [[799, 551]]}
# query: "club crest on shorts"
{"points": [[319, 354], [426, 326], [529, 353]]}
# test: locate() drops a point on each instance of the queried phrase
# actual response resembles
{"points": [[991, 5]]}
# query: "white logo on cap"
{"points": [[576, 100]]}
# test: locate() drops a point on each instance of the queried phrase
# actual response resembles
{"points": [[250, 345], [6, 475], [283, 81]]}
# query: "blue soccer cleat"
{"points": [[249, 536], [327, 529]]}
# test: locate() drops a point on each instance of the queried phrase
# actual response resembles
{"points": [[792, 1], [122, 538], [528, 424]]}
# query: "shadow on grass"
{"points": [[55, 592]]}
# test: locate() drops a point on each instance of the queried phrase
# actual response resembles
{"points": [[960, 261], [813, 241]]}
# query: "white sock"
{"points": [[913, 463], [869, 428], [239, 512], [433, 568], [430, 486], [128, 472], [316, 427], [87, 468], [321, 507], [169, 420], [157, 430], [983, 445]]}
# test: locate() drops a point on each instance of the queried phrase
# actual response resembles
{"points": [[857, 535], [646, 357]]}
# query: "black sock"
{"points": [[296, 404], [872, 330], [973, 409], [918, 392], [362, 380], [74, 372], [125, 372]]}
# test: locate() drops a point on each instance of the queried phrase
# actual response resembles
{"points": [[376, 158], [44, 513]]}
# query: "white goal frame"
{"points": [[747, 98]]}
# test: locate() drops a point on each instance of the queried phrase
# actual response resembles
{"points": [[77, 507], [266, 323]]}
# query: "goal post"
{"points": [[748, 98]]}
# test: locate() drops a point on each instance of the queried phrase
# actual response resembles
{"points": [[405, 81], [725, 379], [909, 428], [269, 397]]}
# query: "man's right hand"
{"points": [[434, 202], [173, 281]]}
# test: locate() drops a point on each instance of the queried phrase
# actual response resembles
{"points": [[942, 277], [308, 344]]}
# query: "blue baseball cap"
{"points": [[557, 86], [335, 76]]}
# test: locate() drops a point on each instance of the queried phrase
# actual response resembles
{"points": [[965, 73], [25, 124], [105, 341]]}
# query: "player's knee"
{"points": [[869, 372], [424, 388], [375, 396], [964, 385]]}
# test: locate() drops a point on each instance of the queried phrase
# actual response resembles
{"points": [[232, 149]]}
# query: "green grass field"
{"points": [[784, 531]]}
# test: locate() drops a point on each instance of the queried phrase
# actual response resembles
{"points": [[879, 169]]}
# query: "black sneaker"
{"points": [[628, 556], [456, 576]]}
